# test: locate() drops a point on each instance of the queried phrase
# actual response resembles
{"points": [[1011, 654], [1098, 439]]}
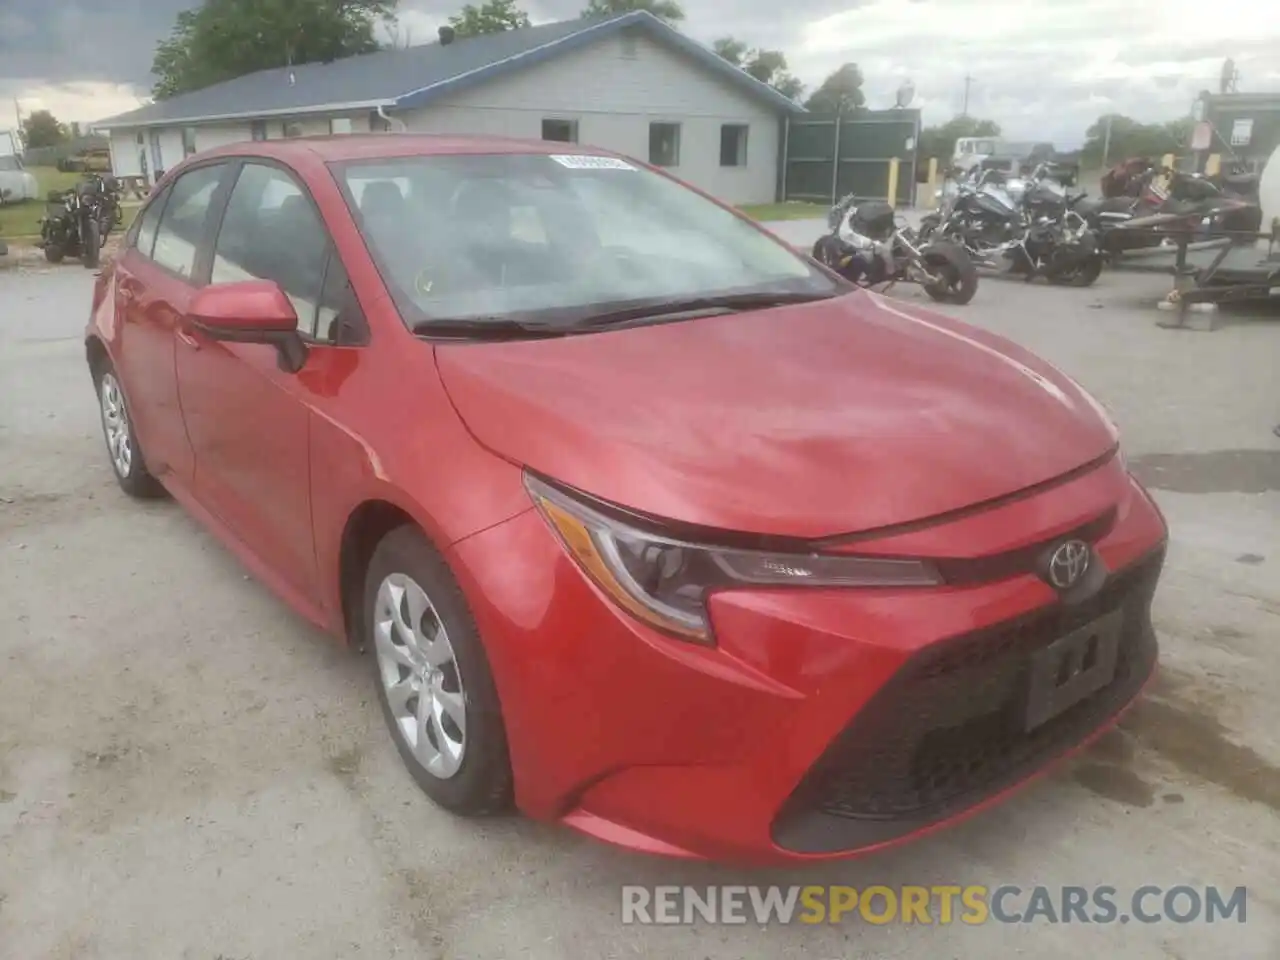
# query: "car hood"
{"points": [[833, 417]]}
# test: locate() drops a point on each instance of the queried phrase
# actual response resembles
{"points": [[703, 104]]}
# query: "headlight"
{"points": [[664, 582]]}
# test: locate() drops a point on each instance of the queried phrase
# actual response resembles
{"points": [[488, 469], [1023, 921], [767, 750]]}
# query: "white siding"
{"points": [[219, 135], [614, 97]]}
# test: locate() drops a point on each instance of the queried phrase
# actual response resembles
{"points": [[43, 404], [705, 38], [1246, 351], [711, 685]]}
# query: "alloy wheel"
{"points": [[420, 676], [115, 424]]}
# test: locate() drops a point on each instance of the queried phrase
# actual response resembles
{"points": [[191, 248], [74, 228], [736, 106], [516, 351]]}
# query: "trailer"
{"points": [[1240, 267]]}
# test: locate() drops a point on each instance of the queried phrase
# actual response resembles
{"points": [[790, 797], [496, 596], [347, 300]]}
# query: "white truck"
{"points": [[16, 183]]}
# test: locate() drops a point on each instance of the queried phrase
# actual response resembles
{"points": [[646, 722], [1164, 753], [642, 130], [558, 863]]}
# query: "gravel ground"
{"points": [[188, 771]]}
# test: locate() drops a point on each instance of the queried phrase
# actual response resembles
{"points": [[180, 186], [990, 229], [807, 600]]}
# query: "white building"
{"points": [[627, 83]]}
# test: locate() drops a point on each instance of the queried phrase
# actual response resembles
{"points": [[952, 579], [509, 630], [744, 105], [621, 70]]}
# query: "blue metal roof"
{"points": [[416, 76]]}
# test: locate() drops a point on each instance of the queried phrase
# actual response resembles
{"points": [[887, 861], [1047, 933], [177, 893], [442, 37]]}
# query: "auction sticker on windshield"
{"points": [[577, 161]]}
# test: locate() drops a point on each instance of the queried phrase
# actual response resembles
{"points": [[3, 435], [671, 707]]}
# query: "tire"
{"points": [[91, 244], [123, 452], [1083, 276], [54, 253], [957, 267], [463, 767]]}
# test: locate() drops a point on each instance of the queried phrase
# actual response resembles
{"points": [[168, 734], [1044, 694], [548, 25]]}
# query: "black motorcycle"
{"points": [[1191, 202], [868, 247], [1034, 233], [77, 222]]}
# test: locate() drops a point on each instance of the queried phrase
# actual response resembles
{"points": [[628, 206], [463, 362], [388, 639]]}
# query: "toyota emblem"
{"points": [[1068, 564]]}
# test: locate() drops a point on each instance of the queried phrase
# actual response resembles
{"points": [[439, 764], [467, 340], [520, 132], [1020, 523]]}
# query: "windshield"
{"points": [[10, 162], [489, 237]]}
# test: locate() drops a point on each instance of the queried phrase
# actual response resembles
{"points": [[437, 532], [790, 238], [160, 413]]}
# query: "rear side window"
{"points": [[271, 231], [144, 236], [182, 224]]}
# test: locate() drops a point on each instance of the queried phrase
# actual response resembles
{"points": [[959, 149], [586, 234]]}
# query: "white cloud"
{"points": [[83, 102]]}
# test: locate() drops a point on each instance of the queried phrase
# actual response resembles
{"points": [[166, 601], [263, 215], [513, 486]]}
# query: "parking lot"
{"points": [[189, 771]]}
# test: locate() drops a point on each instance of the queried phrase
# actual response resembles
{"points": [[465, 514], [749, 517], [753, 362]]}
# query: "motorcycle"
{"points": [[1030, 230], [867, 246], [1190, 201], [77, 222]]}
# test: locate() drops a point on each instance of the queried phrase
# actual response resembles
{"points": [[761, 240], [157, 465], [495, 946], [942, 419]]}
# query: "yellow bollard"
{"points": [[931, 186], [893, 181], [1213, 165]]}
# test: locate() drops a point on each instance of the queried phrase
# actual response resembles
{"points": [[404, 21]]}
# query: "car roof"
{"points": [[374, 146]]}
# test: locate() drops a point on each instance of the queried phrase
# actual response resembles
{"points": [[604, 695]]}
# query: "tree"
{"points": [[42, 129], [839, 93], [1131, 138], [940, 141], [222, 39], [492, 16], [767, 66], [669, 10]]}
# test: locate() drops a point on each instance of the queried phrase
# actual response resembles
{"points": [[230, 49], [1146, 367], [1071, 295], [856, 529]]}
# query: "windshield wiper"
{"points": [[726, 303], [488, 328]]}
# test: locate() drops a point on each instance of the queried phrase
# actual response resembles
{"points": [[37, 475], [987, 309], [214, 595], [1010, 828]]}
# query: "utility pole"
{"points": [[968, 81], [1106, 143]]}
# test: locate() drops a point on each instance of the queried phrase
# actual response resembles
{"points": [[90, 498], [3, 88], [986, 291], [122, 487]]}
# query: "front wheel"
{"points": [[1083, 274], [54, 252], [433, 677], [957, 276]]}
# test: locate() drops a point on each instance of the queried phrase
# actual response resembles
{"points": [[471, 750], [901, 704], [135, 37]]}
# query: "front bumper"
{"points": [[825, 723]]}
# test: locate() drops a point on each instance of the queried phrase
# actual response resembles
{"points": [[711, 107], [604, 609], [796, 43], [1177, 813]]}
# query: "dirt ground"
{"points": [[188, 771]]}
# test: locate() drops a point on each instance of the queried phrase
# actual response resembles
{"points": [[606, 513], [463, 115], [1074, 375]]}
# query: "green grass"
{"points": [[791, 210], [21, 221]]}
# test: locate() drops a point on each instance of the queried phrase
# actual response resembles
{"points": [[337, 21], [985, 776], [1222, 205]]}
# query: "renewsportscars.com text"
{"points": [[972, 905]]}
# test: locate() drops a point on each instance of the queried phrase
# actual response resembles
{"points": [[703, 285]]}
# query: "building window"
{"points": [[664, 144], [563, 131], [292, 128], [258, 129], [188, 141], [340, 125], [733, 145]]}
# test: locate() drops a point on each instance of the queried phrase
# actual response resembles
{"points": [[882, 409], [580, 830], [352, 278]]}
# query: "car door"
{"points": [[249, 420], [154, 284]]}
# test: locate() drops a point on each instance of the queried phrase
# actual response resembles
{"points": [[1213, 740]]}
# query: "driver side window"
{"points": [[272, 231]]}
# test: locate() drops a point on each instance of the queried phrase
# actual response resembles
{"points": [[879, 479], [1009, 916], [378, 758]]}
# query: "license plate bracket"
{"points": [[1073, 667]]}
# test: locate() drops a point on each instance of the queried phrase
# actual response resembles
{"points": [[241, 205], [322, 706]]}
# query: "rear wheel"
{"points": [[122, 446], [91, 243], [956, 273], [433, 678]]}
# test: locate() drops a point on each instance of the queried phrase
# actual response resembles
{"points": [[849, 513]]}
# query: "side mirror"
{"points": [[250, 311]]}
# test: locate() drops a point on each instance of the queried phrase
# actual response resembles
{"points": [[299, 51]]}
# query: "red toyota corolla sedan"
{"points": [[646, 522]]}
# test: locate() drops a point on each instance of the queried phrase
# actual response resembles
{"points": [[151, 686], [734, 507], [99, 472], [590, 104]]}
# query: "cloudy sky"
{"points": [[1044, 69]]}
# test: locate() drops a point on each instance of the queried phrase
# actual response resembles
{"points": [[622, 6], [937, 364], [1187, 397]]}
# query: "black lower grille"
{"points": [[948, 730]]}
